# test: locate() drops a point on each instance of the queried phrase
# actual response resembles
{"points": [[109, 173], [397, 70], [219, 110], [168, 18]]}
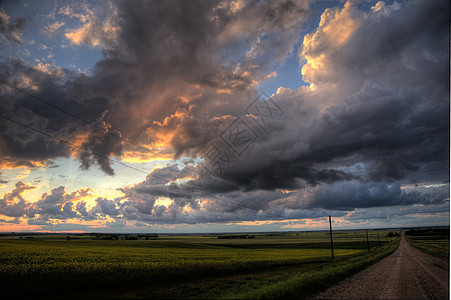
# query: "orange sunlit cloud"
{"points": [[287, 191], [163, 201], [78, 142], [271, 75], [61, 231], [8, 163], [23, 174], [335, 29], [155, 154], [308, 223], [22, 227]]}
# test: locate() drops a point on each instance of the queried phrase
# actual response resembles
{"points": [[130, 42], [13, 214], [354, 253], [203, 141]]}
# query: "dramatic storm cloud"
{"points": [[178, 90]]}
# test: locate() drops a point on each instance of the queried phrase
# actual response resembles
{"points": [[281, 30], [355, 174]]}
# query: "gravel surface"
{"points": [[406, 274]]}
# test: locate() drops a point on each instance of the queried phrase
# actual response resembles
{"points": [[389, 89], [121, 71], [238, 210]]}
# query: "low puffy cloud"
{"points": [[57, 204], [106, 207], [13, 204], [166, 198]]}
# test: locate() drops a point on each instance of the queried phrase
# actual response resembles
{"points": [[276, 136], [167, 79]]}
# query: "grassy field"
{"points": [[267, 266], [430, 240]]}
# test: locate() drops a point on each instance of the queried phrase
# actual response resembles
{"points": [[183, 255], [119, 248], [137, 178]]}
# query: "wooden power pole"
{"points": [[331, 239], [367, 241], [379, 239]]}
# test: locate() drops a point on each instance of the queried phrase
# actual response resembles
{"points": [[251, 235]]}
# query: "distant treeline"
{"points": [[241, 236], [391, 234], [428, 231], [125, 236]]}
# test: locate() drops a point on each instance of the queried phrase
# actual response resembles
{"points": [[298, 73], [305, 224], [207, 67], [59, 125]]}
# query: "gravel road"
{"points": [[406, 274]]}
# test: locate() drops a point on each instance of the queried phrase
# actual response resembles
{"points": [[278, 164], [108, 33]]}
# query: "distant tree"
{"points": [[68, 238], [391, 234]]}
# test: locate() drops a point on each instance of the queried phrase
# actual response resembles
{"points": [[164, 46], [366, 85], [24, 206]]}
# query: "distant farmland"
{"points": [[434, 241], [265, 265]]}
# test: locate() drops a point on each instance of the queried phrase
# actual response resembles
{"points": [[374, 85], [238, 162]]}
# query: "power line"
{"points": [[113, 160], [71, 144], [72, 115], [227, 184]]}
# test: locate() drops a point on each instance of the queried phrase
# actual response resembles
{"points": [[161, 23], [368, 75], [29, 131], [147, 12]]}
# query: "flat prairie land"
{"points": [[432, 241], [408, 273], [273, 265]]}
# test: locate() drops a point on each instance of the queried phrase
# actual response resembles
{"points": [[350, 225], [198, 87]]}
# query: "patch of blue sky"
{"points": [[67, 172], [39, 45], [288, 76]]}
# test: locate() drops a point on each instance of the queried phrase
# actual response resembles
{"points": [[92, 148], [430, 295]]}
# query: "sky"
{"points": [[223, 116]]}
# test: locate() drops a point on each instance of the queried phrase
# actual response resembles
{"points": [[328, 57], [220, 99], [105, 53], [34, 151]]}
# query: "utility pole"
{"points": [[331, 240], [367, 241], [379, 239]]}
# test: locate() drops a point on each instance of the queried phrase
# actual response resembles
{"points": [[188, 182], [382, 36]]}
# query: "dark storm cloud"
{"points": [[389, 132], [226, 207], [20, 144], [387, 213], [408, 40], [11, 29], [354, 194], [289, 175], [104, 144], [390, 129], [393, 122], [159, 51], [375, 118]]}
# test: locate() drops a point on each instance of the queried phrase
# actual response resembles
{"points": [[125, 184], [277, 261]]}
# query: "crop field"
{"points": [[432, 241], [266, 265]]}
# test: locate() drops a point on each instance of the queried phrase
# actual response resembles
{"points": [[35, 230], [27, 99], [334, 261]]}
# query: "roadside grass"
{"points": [[182, 267], [434, 244], [306, 284]]}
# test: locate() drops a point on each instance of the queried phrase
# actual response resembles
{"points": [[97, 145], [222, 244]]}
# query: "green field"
{"points": [[430, 240], [267, 266]]}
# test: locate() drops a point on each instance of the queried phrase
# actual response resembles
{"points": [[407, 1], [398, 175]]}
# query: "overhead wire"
{"points": [[72, 115], [105, 157], [227, 184]]}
